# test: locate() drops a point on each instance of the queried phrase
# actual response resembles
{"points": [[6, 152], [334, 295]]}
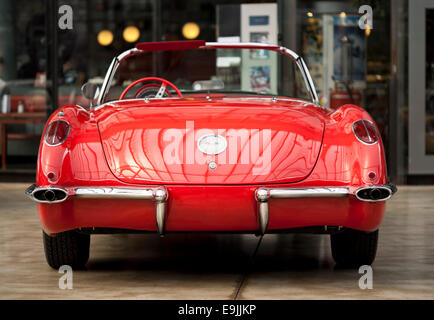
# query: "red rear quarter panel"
{"points": [[344, 160]]}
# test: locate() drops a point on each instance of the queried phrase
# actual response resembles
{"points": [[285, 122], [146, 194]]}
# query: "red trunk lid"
{"points": [[157, 142]]}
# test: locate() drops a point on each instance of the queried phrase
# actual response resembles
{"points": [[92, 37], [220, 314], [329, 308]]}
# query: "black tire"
{"points": [[67, 248], [353, 248]]}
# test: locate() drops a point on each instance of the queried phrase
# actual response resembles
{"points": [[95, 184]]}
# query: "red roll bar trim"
{"points": [[170, 45]]}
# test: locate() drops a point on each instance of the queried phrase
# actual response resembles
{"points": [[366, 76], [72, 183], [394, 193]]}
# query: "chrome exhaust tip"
{"points": [[49, 195], [46, 195], [373, 194]]}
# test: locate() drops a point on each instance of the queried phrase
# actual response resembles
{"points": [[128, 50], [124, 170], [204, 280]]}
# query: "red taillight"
{"points": [[365, 131], [57, 132]]}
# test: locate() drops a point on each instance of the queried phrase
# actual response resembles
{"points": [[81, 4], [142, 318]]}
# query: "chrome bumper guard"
{"points": [[158, 194]]}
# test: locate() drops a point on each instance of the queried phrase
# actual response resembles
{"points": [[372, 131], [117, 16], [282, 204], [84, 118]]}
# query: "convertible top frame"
{"points": [[199, 44]]}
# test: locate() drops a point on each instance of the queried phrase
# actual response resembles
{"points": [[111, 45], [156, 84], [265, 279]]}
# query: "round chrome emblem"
{"points": [[212, 165], [212, 144]]}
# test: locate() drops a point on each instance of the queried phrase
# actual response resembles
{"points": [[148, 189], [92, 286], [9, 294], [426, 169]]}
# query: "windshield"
{"points": [[207, 71]]}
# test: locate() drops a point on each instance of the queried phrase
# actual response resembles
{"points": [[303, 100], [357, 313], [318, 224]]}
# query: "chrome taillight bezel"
{"points": [[364, 121], [48, 130]]}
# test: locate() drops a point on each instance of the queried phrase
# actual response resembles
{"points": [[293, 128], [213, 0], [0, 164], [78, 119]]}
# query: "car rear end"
{"points": [[131, 171]]}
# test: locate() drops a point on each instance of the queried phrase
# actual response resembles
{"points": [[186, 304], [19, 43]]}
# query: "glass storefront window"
{"points": [[102, 30], [23, 66], [348, 64]]}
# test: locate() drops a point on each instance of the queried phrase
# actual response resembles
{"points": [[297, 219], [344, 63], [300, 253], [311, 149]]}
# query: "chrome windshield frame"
{"points": [[310, 86], [112, 70]]}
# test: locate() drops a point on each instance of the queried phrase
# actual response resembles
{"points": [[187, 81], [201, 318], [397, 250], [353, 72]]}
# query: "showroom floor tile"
{"points": [[220, 266]]}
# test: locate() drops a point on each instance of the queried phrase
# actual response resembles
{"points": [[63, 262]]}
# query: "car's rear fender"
{"points": [[345, 160], [79, 160]]}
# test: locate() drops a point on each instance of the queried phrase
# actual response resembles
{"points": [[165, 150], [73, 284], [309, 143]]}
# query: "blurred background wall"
{"points": [[43, 67]]}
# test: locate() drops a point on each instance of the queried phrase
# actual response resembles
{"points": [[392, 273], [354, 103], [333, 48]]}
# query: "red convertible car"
{"points": [[193, 136]]}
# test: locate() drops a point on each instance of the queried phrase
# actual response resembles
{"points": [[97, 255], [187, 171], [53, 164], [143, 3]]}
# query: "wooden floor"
{"points": [[220, 266]]}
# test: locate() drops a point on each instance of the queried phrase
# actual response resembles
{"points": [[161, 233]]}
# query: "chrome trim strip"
{"points": [[308, 80], [107, 80], [113, 193], [145, 100], [332, 192], [128, 53]]}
